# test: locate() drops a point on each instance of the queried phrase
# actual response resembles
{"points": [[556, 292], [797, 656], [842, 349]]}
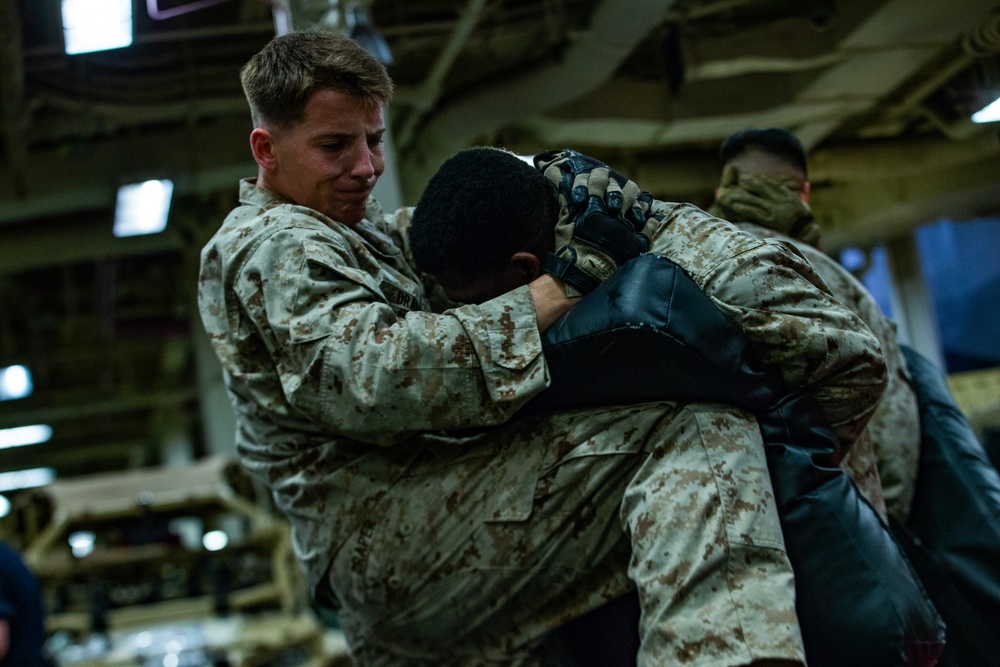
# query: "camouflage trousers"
{"points": [[477, 551]]}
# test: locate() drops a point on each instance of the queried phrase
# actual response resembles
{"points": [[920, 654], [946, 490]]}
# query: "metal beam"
{"points": [[27, 247], [11, 416], [926, 24], [201, 160], [12, 93], [427, 96], [616, 28]]}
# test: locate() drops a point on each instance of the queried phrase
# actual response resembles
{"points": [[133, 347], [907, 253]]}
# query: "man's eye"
{"points": [[332, 147], [375, 141]]}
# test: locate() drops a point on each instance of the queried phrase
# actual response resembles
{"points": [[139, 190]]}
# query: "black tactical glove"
{"points": [[604, 219]]}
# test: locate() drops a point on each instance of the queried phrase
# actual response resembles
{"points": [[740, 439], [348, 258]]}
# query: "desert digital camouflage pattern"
{"points": [[883, 463], [861, 462], [894, 430], [548, 517], [467, 549], [785, 310], [329, 360]]}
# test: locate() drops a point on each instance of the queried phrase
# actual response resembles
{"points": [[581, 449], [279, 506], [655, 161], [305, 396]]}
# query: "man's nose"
{"points": [[363, 162]]}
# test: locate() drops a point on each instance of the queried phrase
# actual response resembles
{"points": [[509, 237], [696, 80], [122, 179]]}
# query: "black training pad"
{"points": [[649, 334], [953, 532]]}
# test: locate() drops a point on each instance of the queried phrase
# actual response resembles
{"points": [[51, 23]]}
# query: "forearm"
{"points": [[790, 320], [377, 377], [806, 336], [550, 300]]}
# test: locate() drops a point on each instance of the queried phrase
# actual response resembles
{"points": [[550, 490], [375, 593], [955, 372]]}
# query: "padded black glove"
{"points": [[604, 219]]}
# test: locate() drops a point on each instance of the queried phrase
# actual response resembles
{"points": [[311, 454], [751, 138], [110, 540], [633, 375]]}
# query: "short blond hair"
{"points": [[279, 79]]}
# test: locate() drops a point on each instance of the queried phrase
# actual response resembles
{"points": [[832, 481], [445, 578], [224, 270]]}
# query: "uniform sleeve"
{"points": [[375, 372], [894, 428], [785, 311]]}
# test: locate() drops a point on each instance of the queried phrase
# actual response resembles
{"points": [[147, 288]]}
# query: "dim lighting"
{"points": [[19, 436], [989, 113], [96, 25], [142, 208], [15, 382], [26, 479]]}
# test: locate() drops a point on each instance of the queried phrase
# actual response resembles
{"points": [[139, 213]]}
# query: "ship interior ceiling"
{"points": [[879, 91]]}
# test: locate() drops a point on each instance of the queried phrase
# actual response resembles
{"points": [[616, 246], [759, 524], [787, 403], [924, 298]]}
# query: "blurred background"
{"points": [[104, 367]]}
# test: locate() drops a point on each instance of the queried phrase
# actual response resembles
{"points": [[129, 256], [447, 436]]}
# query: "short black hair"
{"points": [[774, 141], [482, 206]]}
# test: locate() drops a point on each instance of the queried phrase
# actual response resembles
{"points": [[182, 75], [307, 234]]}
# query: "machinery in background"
{"points": [[184, 566]]}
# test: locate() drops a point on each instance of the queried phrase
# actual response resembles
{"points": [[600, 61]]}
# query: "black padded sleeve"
{"points": [[952, 534], [649, 334]]}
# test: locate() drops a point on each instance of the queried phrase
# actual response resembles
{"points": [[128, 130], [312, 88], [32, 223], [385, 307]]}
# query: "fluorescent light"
{"points": [[81, 543], [96, 25], [4, 506], [989, 113], [19, 436], [15, 382], [26, 479], [215, 540], [142, 208]]}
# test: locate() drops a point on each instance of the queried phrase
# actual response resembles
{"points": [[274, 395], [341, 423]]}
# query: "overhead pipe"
{"points": [[740, 66], [429, 93], [616, 29]]}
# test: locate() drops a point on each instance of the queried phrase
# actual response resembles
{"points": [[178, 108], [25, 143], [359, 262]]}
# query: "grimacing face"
{"points": [[331, 159]]}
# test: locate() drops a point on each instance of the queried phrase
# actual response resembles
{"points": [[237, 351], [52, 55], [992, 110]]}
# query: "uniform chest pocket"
{"points": [[327, 284]]}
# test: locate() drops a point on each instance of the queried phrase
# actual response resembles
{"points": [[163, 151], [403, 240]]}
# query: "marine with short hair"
{"points": [[765, 191], [443, 526]]}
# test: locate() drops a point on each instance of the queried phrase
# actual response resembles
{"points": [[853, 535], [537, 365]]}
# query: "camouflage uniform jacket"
{"points": [[894, 429], [332, 358], [784, 309]]}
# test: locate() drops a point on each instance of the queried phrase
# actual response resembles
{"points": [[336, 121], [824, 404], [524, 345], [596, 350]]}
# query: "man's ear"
{"points": [[804, 193], [524, 267], [262, 146]]}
